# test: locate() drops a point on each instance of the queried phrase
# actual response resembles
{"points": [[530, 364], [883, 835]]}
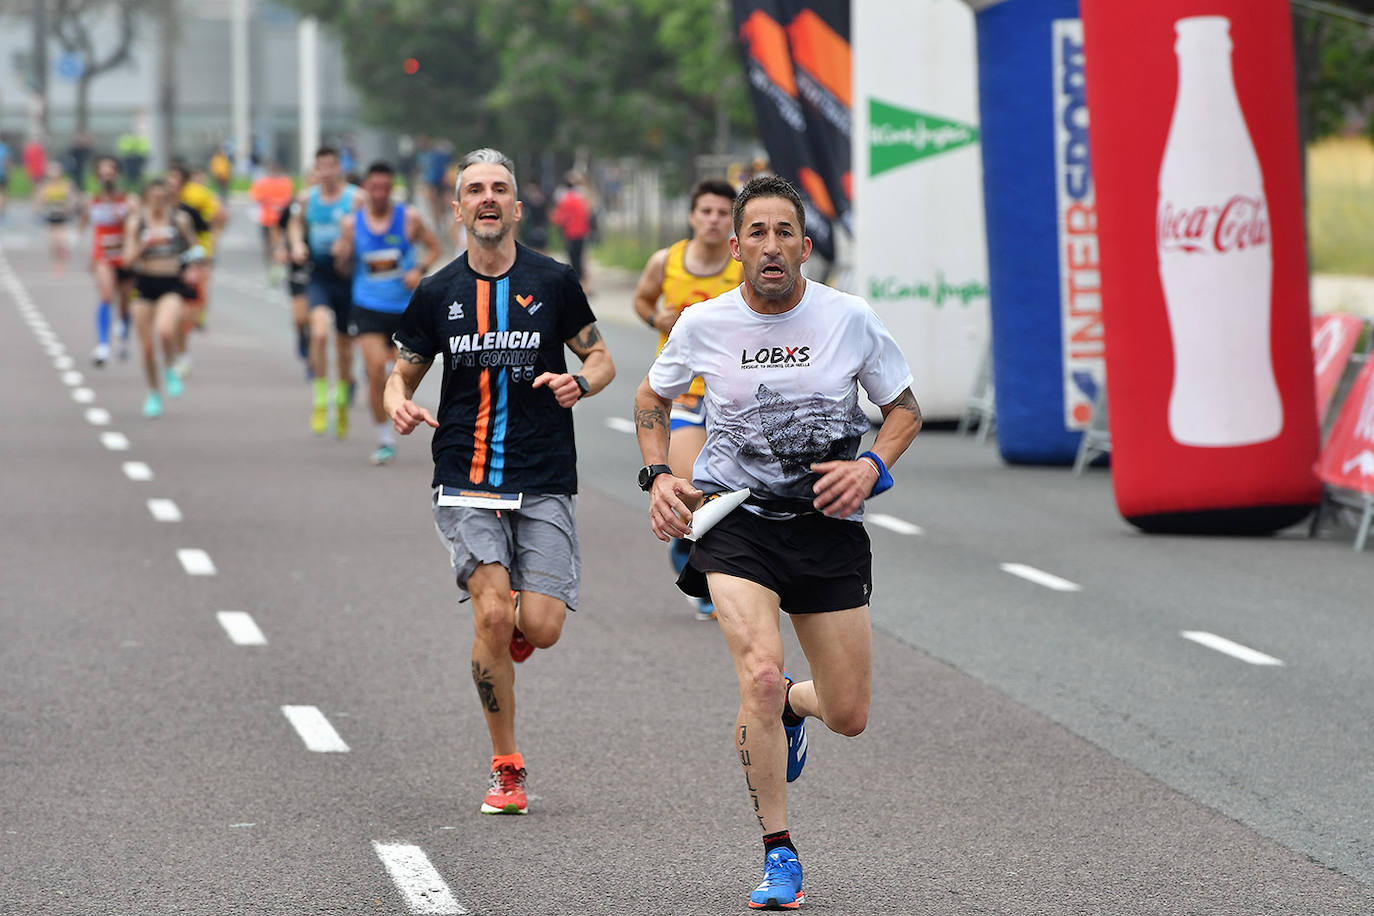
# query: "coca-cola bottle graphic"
{"points": [[1215, 259]]}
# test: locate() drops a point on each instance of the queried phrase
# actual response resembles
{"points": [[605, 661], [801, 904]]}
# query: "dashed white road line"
{"points": [[97, 416], [71, 378], [1233, 649], [1040, 577], [115, 442], [137, 470], [892, 523], [315, 729], [196, 562], [242, 630], [164, 510], [621, 425], [420, 884], [83, 395], [63, 363]]}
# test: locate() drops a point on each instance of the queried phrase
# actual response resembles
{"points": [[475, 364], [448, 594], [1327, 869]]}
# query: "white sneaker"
{"points": [[101, 354]]}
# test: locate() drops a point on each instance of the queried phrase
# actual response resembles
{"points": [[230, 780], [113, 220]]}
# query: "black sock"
{"points": [[781, 839], [789, 716]]}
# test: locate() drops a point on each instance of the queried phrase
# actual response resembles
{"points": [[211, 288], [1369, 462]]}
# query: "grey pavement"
{"points": [[1029, 750]]}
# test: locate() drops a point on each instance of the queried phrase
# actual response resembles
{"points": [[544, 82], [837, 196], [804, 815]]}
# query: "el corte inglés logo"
{"points": [[897, 137]]}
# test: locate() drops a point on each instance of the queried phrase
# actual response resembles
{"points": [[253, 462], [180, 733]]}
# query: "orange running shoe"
{"points": [[506, 794]]}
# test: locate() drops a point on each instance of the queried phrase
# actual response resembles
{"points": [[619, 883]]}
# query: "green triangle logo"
{"points": [[898, 137]]}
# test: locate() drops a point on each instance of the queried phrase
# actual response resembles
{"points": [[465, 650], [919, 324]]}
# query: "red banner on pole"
{"points": [[1333, 340], [1348, 459], [1204, 270]]}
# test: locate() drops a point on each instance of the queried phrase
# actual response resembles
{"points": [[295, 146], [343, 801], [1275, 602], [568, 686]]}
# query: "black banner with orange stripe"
{"points": [[797, 59]]}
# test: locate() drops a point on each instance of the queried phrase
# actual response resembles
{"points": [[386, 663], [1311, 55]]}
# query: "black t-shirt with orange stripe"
{"points": [[495, 336]]}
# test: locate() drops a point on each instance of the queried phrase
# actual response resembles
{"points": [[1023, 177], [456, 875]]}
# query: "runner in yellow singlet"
{"points": [[683, 274]]}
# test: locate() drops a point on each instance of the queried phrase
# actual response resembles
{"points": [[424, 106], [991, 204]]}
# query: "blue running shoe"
{"points": [[174, 383], [152, 405], [385, 454], [796, 743], [781, 887], [705, 609]]}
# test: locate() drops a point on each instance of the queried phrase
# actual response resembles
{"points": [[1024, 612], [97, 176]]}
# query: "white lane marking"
{"points": [[164, 510], [71, 378], [315, 729], [137, 470], [621, 425], [892, 523], [56, 349], [420, 884], [1233, 649], [83, 395], [97, 416], [241, 628], [63, 363], [1040, 577], [115, 442], [245, 824], [196, 562]]}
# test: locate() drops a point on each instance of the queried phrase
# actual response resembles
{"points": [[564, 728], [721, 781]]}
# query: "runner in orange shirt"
{"points": [[272, 192]]}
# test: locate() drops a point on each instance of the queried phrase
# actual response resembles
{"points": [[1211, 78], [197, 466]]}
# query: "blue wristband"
{"points": [[884, 476]]}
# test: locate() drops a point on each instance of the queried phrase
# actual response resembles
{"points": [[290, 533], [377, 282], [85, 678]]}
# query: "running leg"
{"points": [[748, 614], [839, 648], [493, 671]]}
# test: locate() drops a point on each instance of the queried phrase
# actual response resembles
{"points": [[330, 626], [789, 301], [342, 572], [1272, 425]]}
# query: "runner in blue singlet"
{"points": [[312, 231], [378, 245]]}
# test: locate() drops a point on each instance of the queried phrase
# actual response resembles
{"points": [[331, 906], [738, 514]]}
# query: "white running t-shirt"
{"points": [[781, 390]]}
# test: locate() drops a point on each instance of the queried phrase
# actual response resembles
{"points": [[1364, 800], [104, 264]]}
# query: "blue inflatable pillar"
{"points": [[1043, 272]]}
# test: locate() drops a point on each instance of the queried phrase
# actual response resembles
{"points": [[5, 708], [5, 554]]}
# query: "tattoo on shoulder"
{"points": [[651, 417], [408, 355], [587, 338]]}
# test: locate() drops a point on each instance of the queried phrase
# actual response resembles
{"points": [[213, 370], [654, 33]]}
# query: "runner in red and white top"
{"points": [[106, 213]]}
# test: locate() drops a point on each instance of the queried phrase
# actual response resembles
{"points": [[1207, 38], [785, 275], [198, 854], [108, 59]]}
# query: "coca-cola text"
{"points": [[1240, 223]]}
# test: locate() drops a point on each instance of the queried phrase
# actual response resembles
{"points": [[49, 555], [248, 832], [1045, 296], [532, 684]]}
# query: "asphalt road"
{"points": [[1042, 740]]}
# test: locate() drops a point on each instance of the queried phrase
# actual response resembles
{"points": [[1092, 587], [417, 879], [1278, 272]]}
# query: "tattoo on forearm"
{"points": [[587, 338], [410, 356], [651, 417], [486, 689], [907, 401]]}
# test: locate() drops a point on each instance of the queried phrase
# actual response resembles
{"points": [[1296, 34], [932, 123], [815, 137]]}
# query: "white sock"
{"points": [[386, 434]]}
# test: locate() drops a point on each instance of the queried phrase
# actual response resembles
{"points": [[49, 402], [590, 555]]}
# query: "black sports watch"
{"points": [[647, 475], [583, 385]]}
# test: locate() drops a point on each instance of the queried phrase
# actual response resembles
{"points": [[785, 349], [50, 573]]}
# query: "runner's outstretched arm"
{"points": [[405, 414], [844, 485]]}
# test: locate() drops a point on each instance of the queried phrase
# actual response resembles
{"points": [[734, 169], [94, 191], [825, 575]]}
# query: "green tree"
{"points": [[659, 78], [1334, 46], [446, 96]]}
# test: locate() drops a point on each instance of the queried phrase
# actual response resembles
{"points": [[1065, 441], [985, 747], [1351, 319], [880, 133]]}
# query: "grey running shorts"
{"points": [[537, 543]]}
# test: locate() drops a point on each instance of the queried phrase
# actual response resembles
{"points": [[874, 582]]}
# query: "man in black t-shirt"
{"points": [[505, 463]]}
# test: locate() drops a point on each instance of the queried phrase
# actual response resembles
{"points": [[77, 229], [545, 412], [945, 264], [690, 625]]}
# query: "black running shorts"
{"points": [[371, 321], [813, 562]]}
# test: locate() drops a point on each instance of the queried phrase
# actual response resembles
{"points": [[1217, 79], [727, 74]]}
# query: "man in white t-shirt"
{"points": [[783, 359]]}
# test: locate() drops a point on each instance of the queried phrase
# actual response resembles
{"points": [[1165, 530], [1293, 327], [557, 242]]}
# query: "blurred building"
{"points": [[127, 96]]}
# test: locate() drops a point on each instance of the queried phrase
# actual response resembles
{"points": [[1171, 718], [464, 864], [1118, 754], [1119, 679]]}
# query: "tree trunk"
{"points": [[166, 85], [83, 102]]}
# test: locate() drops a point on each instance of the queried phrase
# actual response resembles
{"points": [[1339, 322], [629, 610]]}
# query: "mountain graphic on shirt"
{"points": [[798, 443]]}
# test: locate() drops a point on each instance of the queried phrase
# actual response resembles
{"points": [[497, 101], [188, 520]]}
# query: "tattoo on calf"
{"points": [[486, 690], [650, 417], [748, 777], [408, 355]]}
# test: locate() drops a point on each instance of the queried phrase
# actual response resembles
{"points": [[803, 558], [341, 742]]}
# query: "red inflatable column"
{"points": [[1204, 265]]}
